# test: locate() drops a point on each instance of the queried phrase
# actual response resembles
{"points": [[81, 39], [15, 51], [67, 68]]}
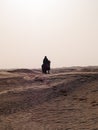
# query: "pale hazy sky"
{"points": [[66, 31]]}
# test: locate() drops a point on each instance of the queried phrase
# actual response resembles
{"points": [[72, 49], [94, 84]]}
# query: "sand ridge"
{"points": [[30, 100]]}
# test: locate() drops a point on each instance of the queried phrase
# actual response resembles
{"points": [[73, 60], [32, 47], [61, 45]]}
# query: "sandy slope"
{"points": [[62, 100]]}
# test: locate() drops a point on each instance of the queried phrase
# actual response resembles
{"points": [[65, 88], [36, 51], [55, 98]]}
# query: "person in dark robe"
{"points": [[46, 65]]}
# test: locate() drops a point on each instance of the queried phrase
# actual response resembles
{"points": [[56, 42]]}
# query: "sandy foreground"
{"points": [[65, 99]]}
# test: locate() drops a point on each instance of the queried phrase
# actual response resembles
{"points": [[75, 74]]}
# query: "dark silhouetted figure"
{"points": [[46, 65]]}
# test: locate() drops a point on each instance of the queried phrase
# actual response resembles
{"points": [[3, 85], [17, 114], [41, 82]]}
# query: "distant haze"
{"points": [[66, 31]]}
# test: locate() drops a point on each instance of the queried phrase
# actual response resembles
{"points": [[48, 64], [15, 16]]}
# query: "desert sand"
{"points": [[65, 99]]}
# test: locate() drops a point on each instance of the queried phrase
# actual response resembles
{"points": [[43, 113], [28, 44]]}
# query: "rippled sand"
{"points": [[66, 99]]}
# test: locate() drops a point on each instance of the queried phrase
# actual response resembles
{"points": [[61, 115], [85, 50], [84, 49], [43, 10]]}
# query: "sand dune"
{"points": [[66, 99]]}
